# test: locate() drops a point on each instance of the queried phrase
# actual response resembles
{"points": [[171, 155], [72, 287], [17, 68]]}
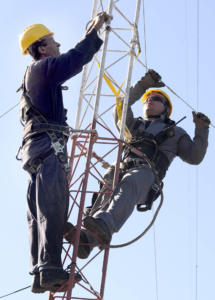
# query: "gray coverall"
{"points": [[136, 183]]}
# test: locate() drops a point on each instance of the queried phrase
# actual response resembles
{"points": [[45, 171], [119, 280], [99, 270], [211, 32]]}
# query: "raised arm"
{"points": [[151, 79], [193, 151], [69, 64]]}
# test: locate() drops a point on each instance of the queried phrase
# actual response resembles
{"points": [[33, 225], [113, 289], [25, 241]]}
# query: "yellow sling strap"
{"points": [[119, 105]]}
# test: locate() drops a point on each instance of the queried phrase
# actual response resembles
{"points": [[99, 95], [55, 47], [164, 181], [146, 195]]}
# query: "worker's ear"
{"points": [[42, 49]]}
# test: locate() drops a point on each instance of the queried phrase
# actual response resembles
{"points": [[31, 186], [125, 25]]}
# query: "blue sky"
{"points": [[171, 36]]}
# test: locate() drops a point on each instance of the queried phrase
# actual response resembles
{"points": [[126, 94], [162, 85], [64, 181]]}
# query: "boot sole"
{"points": [[52, 284], [60, 288], [38, 290], [41, 290]]}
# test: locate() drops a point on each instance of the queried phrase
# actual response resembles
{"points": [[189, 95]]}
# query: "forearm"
{"points": [[89, 45], [69, 64], [136, 92], [193, 151]]}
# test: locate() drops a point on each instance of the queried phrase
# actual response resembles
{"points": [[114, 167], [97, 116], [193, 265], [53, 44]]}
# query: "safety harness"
{"points": [[148, 144], [35, 123]]}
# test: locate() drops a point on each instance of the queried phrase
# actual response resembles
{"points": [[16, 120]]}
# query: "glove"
{"points": [[201, 120], [98, 21], [151, 79]]}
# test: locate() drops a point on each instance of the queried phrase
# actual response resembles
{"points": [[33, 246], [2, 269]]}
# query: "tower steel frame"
{"points": [[95, 142]]}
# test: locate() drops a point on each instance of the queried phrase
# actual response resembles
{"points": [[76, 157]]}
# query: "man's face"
{"points": [[51, 47], [153, 106]]}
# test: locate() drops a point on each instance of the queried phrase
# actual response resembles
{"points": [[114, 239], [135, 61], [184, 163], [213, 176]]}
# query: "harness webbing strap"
{"points": [[149, 145], [31, 129], [36, 123], [119, 104]]}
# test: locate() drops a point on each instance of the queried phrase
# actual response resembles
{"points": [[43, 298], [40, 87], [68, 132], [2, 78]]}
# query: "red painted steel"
{"points": [[85, 167]]}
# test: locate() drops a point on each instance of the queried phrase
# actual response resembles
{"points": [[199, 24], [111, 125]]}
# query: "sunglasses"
{"points": [[156, 98]]}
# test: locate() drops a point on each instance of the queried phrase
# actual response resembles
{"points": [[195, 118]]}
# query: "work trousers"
{"points": [[47, 207], [133, 189]]}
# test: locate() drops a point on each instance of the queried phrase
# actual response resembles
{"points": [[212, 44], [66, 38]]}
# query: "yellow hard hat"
{"points": [[158, 91], [32, 34]]}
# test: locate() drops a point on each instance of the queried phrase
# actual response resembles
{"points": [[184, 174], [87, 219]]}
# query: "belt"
{"points": [[32, 129], [133, 163]]}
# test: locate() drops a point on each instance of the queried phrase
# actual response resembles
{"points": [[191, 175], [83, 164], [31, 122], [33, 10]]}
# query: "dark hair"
{"points": [[33, 49]]}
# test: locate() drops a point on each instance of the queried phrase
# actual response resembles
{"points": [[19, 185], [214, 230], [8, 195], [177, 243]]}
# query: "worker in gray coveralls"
{"points": [[161, 141]]}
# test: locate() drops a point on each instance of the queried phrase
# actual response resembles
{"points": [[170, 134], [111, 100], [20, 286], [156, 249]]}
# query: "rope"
{"points": [[6, 112], [147, 228], [146, 67], [155, 259], [197, 58], [119, 104], [17, 291], [144, 30], [185, 102], [197, 174], [101, 5], [196, 235], [174, 93]]}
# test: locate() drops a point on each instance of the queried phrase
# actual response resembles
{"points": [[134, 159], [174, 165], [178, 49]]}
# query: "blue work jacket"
{"points": [[43, 82], [45, 76]]}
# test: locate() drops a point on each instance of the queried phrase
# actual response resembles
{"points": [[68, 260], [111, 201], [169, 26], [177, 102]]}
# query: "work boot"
{"points": [[64, 287], [69, 235], [35, 286], [99, 227], [38, 289], [52, 277]]}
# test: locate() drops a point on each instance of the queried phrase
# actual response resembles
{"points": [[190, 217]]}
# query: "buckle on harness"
{"points": [[58, 147], [154, 193]]}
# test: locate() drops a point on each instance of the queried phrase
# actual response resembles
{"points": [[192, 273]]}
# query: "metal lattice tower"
{"points": [[89, 150]]}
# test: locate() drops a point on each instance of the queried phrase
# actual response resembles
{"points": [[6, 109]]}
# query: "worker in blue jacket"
{"points": [[43, 150]]}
